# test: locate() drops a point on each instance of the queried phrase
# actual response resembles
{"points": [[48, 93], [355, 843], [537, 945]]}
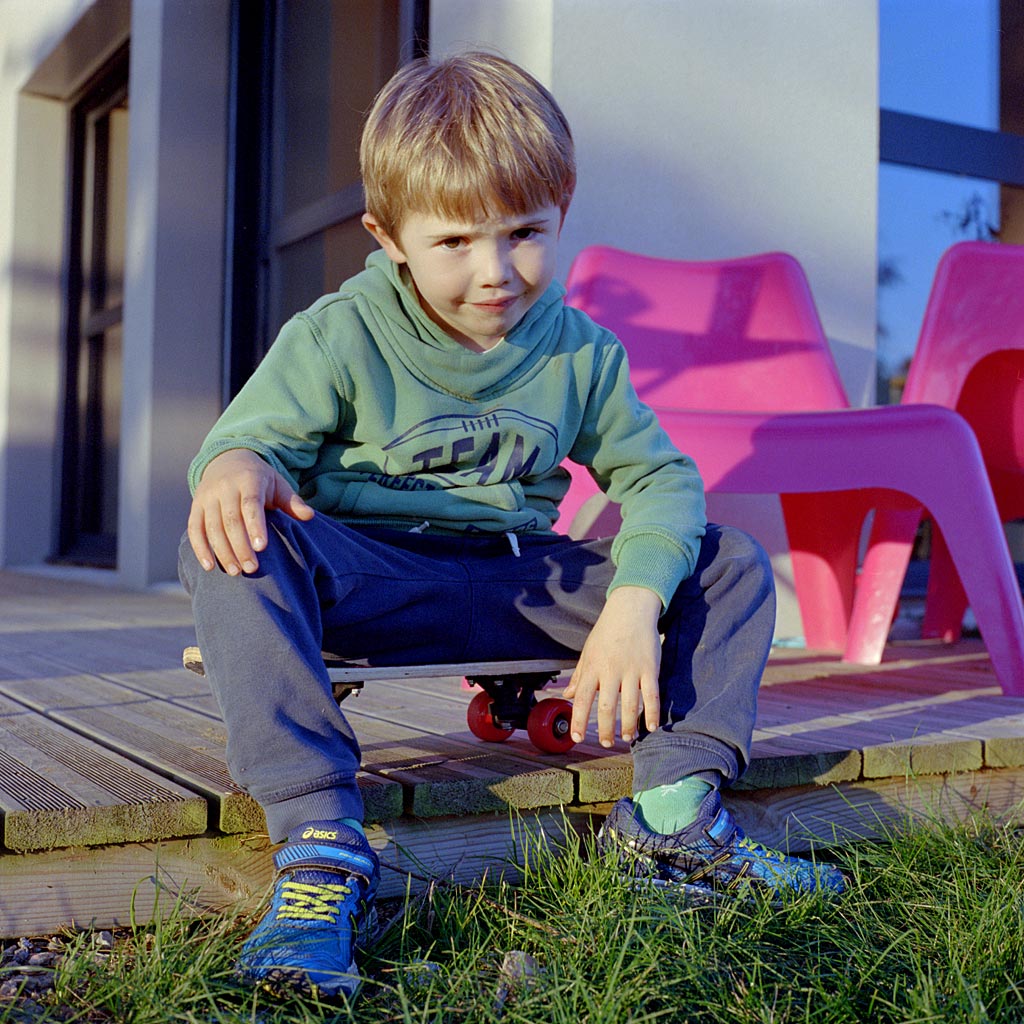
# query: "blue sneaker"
{"points": [[711, 855], [321, 911]]}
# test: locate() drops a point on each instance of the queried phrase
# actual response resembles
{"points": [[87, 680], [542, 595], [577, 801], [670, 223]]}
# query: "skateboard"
{"points": [[507, 699]]}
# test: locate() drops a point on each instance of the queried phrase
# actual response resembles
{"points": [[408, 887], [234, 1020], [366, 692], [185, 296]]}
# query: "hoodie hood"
{"points": [[387, 298]]}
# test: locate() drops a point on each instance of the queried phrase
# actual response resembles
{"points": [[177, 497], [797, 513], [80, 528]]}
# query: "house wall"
{"points": [[716, 128], [32, 174], [174, 280]]}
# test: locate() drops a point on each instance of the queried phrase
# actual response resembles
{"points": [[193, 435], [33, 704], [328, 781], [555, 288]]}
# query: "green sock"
{"points": [[667, 809], [353, 823]]}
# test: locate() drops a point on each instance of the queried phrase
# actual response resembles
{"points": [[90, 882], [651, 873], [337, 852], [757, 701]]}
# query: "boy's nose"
{"points": [[495, 267]]}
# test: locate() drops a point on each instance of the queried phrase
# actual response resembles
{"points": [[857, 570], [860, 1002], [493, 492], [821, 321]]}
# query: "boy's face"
{"points": [[476, 281]]}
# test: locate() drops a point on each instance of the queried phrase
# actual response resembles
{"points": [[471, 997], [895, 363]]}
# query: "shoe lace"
{"points": [[761, 852], [302, 901]]}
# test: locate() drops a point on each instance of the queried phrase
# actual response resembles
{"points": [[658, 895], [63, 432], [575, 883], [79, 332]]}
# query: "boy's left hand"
{"points": [[619, 664]]}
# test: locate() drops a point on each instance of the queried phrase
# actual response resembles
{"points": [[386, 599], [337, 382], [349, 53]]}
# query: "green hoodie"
{"points": [[377, 417]]}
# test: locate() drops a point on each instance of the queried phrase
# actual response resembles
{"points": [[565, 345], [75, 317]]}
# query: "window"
{"points": [[952, 159], [95, 279], [305, 74]]}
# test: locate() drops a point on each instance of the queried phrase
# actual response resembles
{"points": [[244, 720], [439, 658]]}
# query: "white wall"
{"points": [[174, 276], [32, 133], [715, 128], [174, 287]]}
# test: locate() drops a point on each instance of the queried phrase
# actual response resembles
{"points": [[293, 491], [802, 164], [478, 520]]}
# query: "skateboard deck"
{"points": [[507, 702]]}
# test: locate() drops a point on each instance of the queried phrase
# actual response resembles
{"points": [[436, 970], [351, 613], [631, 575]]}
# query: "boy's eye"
{"points": [[522, 233], [451, 243]]}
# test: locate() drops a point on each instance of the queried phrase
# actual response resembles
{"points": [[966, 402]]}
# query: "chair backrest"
{"points": [[970, 354], [737, 334]]}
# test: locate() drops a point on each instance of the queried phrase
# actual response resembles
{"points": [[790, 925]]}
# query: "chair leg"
{"points": [[977, 546], [879, 584], [946, 601], [824, 535]]}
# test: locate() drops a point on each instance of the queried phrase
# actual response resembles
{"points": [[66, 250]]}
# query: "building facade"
{"points": [[181, 175]]}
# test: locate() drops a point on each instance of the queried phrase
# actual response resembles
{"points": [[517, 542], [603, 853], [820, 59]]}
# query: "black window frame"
{"points": [[251, 237]]}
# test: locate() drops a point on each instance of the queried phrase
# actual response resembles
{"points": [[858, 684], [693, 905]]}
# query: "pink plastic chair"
{"points": [[732, 355], [969, 357]]}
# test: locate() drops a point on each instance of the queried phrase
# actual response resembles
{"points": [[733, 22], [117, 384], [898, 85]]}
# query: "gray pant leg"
{"points": [[416, 599], [717, 636], [718, 633], [288, 744]]}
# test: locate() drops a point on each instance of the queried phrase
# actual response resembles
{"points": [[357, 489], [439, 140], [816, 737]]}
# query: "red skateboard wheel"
{"points": [[481, 723], [548, 726]]}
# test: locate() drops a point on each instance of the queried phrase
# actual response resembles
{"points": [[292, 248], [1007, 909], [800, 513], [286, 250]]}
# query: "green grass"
{"points": [[932, 929]]}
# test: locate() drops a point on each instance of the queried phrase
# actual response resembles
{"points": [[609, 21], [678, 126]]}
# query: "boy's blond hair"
{"points": [[464, 137]]}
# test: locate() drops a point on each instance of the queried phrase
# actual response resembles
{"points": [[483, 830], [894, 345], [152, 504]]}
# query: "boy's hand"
{"points": [[227, 521], [619, 663]]}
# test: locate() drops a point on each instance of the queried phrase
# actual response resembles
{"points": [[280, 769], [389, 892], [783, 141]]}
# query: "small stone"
{"points": [[420, 973], [103, 940], [518, 967], [519, 972], [26, 985]]}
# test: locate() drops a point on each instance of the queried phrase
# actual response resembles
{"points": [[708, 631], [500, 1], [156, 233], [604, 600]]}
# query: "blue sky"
{"points": [[940, 59]]}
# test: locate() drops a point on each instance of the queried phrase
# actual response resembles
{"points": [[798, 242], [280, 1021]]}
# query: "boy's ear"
{"points": [[384, 240]]}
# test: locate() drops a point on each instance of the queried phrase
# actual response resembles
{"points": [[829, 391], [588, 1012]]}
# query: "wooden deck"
{"points": [[114, 790]]}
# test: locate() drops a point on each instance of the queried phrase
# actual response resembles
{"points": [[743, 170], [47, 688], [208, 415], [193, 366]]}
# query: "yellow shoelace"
{"points": [[761, 851], [304, 902]]}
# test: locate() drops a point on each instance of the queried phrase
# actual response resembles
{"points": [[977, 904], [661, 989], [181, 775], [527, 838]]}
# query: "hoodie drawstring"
{"points": [[512, 539]]}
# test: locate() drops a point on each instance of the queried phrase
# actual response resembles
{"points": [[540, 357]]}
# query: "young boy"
{"points": [[386, 484]]}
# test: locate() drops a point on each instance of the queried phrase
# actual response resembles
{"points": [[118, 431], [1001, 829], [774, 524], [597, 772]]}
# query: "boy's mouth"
{"points": [[496, 304]]}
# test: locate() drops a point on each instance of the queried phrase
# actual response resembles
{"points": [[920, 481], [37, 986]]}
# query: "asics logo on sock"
{"points": [[319, 833]]}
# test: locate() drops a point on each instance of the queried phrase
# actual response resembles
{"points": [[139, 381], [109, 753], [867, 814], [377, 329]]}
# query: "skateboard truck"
{"points": [[509, 702]]}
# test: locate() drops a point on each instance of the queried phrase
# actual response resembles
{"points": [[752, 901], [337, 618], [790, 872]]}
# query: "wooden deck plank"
{"points": [[781, 761], [418, 747], [173, 741], [801, 817], [95, 887], [603, 775], [111, 886], [58, 789], [922, 757], [102, 649], [442, 776], [438, 774], [599, 776], [441, 706], [788, 664], [50, 602], [863, 696]]}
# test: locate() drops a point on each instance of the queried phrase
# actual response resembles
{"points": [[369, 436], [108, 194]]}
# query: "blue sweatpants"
{"points": [[407, 598]]}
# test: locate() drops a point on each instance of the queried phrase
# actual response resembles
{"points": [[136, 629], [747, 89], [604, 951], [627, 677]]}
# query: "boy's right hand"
{"points": [[227, 521]]}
